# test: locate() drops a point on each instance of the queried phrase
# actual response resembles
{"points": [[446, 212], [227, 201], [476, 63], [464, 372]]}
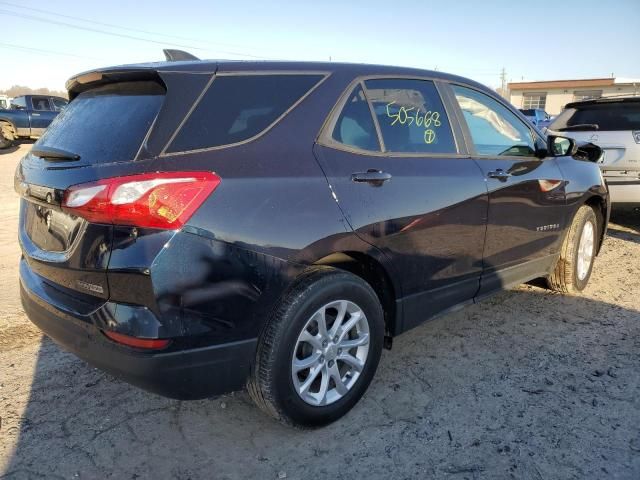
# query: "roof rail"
{"points": [[178, 55]]}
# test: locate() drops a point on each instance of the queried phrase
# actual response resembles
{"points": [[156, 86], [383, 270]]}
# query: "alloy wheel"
{"points": [[330, 353], [585, 250]]}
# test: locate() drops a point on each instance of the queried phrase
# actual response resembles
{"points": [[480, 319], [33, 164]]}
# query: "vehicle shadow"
{"points": [[16, 146], [625, 225], [528, 384]]}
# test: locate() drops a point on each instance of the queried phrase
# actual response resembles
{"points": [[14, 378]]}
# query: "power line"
{"points": [[42, 50], [112, 25], [121, 35]]}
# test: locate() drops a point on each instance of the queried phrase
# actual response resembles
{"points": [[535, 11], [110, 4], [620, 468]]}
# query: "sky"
{"points": [[541, 40]]}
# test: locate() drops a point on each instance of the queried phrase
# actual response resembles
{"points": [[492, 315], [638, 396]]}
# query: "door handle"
{"points": [[372, 176], [500, 174], [35, 114]]}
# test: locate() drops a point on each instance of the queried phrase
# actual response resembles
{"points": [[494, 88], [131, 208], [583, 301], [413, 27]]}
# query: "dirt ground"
{"points": [[527, 385]]}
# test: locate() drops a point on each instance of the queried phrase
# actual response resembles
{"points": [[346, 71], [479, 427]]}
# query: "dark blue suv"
{"points": [[195, 227]]}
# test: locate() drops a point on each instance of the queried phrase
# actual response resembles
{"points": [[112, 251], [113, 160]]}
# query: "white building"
{"points": [[553, 95]]}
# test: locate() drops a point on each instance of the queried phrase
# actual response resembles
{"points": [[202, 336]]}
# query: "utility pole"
{"points": [[503, 83]]}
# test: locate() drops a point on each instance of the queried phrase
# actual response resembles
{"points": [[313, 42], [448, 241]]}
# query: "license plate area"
{"points": [[50, 229]]}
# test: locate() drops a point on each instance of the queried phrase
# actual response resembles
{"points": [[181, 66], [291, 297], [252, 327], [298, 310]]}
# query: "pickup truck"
{"points": [[28, 117]]}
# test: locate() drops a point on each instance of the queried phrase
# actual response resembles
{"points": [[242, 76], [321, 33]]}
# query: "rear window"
{"points": [[238, 107], [411, 116], [59, 104], [106, 124], [607, 116]]}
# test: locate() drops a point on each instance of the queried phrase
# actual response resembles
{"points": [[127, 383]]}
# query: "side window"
{"points": [[355, 125], [411, 116], [238, 107], [495, 130], [40, 103], [20, 102], [58, 104]]}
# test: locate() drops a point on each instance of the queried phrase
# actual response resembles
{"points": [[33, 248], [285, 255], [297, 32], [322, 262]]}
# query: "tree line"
{"points": [[18, 90]]}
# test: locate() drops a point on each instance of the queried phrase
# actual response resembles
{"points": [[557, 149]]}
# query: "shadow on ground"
{"points": [[16, 146], [626, 225], [528, 384]]}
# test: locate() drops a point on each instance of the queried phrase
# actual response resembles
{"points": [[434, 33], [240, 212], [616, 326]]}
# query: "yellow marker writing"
{"points": [[430, 118], [429, 136]]}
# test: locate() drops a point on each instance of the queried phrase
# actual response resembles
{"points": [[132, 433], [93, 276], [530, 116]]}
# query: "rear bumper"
{"points": [[183, 374], [624, 192]]}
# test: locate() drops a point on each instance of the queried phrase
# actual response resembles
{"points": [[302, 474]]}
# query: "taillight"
{"points": [[156, 200], [135, 342]]}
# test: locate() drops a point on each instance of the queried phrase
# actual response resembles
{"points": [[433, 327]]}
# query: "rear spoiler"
{"points": [[604, 100], [128, 73], [85, 81]]}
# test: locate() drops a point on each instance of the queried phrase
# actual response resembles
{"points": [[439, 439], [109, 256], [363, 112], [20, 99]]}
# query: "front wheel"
{"points": [[320, 349], [5, 141], [574, 266]]}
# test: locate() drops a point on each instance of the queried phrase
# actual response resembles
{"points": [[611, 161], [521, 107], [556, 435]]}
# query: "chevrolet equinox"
{"points": [[198, 227]]}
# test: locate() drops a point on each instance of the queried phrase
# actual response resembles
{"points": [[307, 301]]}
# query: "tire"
{"points": [[570, 275], [274, 386], [4, 141]]}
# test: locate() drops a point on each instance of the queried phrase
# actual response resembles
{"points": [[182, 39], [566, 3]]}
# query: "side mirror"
{"points": [[589, 152], [16, 107], [560, 146]]}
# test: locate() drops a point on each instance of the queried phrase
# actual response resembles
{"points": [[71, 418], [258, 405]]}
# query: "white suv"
{"points": [[614, 125]]}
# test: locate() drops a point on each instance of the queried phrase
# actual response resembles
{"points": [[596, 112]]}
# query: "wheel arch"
{"points": [[376, 275], [6, 123]]}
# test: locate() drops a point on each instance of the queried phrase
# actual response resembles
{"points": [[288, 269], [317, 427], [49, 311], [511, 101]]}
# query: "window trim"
{"points": [[325, 138], [374, 118], [535, 136], [240, 73]]}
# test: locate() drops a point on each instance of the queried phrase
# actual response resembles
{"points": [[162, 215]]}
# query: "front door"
{"points": [[404, 188], [526, 193]]}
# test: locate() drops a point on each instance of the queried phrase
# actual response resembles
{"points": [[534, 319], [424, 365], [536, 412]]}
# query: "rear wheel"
{"points": [[320, 350], [574, 266]]}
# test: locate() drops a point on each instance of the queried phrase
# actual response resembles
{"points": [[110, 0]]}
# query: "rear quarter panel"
{"points": [[271, 217]]}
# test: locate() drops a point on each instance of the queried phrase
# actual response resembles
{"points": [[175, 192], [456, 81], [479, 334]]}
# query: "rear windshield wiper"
{"points": [[580, 126], [55, 154]]}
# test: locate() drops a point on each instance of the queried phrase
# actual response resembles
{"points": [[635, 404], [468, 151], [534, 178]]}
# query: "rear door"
{"points": [[42, 114], [105, 127], [407, 188], [527, 205]]}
